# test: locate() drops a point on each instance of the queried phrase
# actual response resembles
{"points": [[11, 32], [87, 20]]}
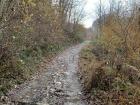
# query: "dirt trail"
{"points": [[57, 85]]}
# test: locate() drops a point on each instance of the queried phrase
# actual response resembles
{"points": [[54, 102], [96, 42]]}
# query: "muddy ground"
{"points": [[57, 84]]}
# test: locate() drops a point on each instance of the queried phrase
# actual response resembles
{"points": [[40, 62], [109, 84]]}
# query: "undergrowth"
{"points": [[16, 70], [106, 84]]}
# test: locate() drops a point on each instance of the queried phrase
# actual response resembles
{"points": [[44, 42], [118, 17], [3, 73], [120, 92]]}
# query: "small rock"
{"points": [[52, 90], [42, 104], [58, 85], [15, 86], [79, 93], [34, 90], [4, 99]]}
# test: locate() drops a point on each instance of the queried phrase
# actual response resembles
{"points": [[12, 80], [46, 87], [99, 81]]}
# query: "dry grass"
{"points": [[106, 85], [88, 65]]}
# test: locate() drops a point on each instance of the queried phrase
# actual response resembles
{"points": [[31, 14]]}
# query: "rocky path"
{"points": [[57, 85]]}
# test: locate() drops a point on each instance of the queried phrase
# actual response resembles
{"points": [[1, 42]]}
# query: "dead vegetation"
{"points": [[32, 29], [112, 62], [107, 85]]}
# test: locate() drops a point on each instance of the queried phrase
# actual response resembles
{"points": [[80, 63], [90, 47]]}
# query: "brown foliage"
{"points": [[106, 85], [30, 29]]}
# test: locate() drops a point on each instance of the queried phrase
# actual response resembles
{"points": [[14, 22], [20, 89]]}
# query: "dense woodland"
{"points": [[119, 30], [111, 70], [109, 67], [32, 29]]}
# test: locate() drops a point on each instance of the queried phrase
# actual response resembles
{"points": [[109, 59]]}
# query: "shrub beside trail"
{"points": [[108, 85]]}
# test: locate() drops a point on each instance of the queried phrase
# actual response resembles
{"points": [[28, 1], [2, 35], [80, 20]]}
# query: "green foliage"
{"points": [[30, 30]]}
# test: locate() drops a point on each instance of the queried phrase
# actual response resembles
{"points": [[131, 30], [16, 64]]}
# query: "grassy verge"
{"points": [[28, 63], [106, 85]]}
